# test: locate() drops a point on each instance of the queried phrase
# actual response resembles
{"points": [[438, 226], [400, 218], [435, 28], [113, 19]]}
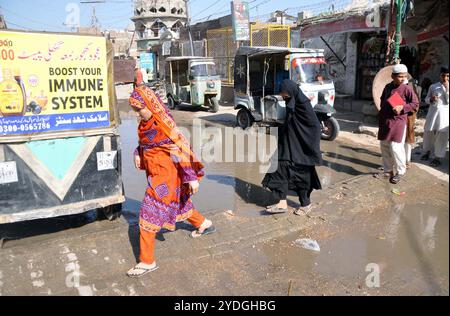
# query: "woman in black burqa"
{"points": [[298, 152]]}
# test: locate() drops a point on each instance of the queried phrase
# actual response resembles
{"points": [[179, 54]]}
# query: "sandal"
{"points": [[396, 179], [425, 157], [303, 211], [435, 163], [203, 232], [140, 270], [277, 210]]}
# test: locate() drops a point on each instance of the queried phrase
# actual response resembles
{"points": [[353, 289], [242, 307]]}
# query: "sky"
{"points": [[52, 15]]}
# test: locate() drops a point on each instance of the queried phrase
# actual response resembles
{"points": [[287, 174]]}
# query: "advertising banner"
{"points": [[52, 82], [146, 61], [241, 20]]}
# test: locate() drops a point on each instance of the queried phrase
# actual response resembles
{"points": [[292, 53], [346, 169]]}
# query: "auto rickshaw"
{"points": [[258, 74], [193, 81]]}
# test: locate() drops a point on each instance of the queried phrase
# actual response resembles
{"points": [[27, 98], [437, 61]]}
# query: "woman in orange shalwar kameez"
{"points": [[173, 175]]}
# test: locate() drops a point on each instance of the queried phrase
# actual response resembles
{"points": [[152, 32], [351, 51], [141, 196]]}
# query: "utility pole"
{"points": [[189, 27], [94, 19], [398, 32]]}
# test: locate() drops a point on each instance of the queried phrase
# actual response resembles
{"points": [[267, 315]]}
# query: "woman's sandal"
{"points": [[198, 233], [140, 270], [303, 211], [277, 210]]}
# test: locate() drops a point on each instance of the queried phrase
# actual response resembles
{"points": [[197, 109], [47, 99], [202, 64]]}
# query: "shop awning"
{"points": [[424, 36], [367, 22]]}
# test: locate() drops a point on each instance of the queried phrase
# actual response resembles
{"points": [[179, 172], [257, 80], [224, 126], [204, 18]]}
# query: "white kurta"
{"points": [[437, 118]]}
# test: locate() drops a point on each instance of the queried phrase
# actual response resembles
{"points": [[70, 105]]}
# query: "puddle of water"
{"points": [[412, 246]]}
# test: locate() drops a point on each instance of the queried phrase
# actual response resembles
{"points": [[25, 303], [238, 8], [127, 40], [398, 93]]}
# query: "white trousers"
{"points": [[408, 152], [394, 156], [436, 143]]}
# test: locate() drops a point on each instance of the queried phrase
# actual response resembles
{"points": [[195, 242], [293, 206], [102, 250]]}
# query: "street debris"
{"points": [[290, 288], [398, 193], [308, 244], [340, 196], [229, 212]]}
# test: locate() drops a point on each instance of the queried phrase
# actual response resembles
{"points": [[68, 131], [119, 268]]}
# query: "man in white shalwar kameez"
{"points": [[437, 126]]}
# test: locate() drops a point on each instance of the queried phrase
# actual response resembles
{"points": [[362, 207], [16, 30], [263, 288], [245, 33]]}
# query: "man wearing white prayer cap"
{"points": [[397, 101], [436, 134]]}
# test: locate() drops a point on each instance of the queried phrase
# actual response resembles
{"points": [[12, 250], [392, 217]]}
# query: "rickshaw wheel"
{"points": [[244, 119], [330, 129], [214, 105], [171, 103]]}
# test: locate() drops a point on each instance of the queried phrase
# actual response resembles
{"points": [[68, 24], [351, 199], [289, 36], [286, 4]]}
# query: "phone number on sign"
{"points": [[24, 127]]}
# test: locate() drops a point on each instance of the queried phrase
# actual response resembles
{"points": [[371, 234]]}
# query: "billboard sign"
{"points": [[52, 82], [241, 20]]}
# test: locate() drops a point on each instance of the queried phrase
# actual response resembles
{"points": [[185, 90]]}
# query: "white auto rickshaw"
{"points": [[258, 73]]}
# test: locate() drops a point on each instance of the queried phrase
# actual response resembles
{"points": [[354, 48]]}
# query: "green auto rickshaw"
{"points": [[192, 81]]}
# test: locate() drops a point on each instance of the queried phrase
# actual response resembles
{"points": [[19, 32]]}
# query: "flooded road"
{"points": [[237, 185]]}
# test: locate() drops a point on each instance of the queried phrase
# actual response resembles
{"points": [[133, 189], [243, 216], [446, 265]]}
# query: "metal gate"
{"points": [[222, 48], [270, 35]]}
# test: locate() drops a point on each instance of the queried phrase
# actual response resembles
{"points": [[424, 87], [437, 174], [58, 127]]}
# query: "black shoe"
{"points": [[396, 179], [425, 157], [435, 163]]}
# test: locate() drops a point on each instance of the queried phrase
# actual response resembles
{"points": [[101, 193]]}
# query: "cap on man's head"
{"points": [[400, 69], [444, 70]]}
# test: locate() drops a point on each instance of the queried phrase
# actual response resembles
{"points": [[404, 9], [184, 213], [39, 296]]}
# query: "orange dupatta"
{"points": [[144, 96]]}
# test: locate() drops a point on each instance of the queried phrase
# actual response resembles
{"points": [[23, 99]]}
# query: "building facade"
{"points": [[153, 17], [124, 42]]}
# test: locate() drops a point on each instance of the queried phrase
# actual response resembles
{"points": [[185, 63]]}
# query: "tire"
{"points": [[244, 119], [331, 130], [171, 103], [214, 105], [111, 212]]}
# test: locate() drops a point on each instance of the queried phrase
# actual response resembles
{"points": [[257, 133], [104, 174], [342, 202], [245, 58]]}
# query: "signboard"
{"points": [[106, 160], [8, 172], [241, 20], [52, 82], [313, 61], [372, 21], [146, 61]]}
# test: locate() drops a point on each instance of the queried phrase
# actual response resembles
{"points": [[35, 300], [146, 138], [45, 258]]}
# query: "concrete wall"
{"points": [[351, 62], [345, 46]]}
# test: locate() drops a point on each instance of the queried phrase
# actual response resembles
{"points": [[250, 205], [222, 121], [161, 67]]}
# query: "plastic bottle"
{"points": [[12, 94]]}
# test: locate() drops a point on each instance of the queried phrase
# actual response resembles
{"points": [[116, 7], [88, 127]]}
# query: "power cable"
{"points": [[209, 7]]}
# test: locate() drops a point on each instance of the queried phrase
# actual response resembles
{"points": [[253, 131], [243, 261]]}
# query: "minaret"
{"points": [[152, 17]]}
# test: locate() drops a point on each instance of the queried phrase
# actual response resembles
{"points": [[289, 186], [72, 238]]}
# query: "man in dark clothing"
{"points": [[393, 123], [298, 152]]}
